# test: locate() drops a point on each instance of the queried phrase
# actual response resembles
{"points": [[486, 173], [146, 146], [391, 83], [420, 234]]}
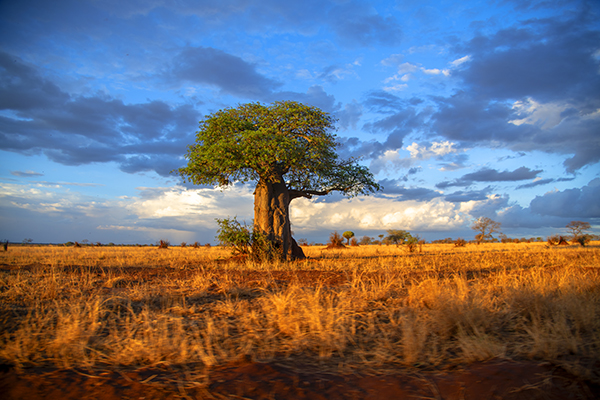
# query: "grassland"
{"points": [[371, 308]]}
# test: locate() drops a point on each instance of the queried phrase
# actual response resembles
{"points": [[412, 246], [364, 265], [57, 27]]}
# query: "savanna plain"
{"points": [[495, 320]]}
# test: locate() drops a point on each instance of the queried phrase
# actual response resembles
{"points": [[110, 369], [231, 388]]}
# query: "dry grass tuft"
{"points": [[125, 307]]}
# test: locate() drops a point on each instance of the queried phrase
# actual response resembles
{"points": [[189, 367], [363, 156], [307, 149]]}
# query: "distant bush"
{"points": [[335, 240], [582, 240], [163, 244], [365, 240], [353, 242], [460, 242], [556, 240]]}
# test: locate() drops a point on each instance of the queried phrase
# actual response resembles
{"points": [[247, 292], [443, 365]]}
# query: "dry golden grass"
{"points": [[94, 307]]}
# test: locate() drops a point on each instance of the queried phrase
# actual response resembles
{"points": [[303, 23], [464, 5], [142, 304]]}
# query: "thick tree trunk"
{"points": [[272, 218]]}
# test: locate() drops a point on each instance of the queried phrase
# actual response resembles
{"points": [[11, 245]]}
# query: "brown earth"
{"points": [[251, 380], [247, 379]]}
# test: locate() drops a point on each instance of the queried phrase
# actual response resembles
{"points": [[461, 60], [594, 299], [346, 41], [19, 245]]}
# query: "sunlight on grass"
{"points": [[371, 307]]}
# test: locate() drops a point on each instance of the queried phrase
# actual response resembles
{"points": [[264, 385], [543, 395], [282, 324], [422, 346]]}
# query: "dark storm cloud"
{"points": [[545, 59], [518, 217], [349, 115], [471, 195], [75, 130], [397, 126], [314, 96], [549, 61], [570, 203], [467, 118], [206, 65], [357, 23], [382, 102], [490, 207], [534, 184], [491, 175], [394, 186]]}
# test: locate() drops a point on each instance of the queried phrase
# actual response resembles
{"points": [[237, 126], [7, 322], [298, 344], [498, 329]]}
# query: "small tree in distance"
{"points": [[577, 228], [398, 236], [348, 235], [486, 227], [365, 240]]}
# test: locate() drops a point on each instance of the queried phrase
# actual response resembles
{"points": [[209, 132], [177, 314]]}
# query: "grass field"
{"points": [[363, 308]]}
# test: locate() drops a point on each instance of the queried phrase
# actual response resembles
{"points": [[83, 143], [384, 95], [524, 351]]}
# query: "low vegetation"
{"points": [[362, 307]]}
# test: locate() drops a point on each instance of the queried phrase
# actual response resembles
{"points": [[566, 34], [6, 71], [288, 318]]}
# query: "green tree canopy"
{"points": [[398, 236], [348, 235], [287, 148], [287, 139]]}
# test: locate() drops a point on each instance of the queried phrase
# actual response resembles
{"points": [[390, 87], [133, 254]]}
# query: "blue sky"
{"points": [[460, 109]]}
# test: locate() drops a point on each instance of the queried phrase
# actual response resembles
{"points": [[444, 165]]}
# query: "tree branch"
{"points": [[294, 194]]}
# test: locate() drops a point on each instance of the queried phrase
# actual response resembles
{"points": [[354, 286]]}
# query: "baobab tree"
{"points": [[287, 149]]}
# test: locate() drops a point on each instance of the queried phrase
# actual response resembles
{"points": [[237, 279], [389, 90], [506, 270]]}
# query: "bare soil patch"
{"points": [[495, 379]]}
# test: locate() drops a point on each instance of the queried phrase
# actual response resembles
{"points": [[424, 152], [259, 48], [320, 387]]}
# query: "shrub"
{"points": [[244, 240], [353, 242], [163, 244], [460, 242], [556, 240], [582, 240], [335, 240], [365, 240]]}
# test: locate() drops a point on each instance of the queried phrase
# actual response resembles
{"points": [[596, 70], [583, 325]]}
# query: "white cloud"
{"points": [[437, 149], [436, 71], [545, 116], [179, 201], [406, 68], [394, 59], [377, 213], [395, 88], [460, 61]]}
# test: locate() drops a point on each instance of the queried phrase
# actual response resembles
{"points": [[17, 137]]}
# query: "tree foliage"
{"points": [[348, 235], [397, 236], [286, 140], [577, 228], [486, 228]]}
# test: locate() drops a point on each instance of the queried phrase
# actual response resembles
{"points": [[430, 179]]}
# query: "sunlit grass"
{"points": [[93, 307]]}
